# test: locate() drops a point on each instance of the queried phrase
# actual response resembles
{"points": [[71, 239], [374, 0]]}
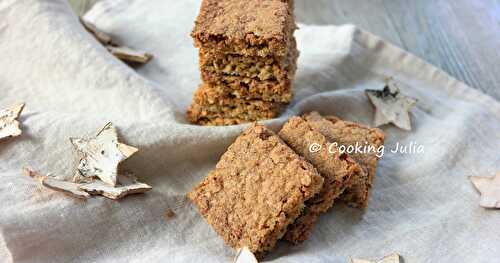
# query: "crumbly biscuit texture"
{"points": [[214, 106], [250, 77], [256, 191], [336, 169], [227, 25], [349, 133]]}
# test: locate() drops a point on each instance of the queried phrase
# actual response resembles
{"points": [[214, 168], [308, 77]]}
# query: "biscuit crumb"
{"points": [[169, 214]]}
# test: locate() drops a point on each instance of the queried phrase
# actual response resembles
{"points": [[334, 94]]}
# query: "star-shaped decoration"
{"points": [[391, 106], [101, 155], [9, 126], [392, 258], [489, 187], [244, 255]]}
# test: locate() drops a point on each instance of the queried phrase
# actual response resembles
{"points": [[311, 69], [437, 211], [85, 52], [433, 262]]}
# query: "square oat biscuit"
{"points": [[265, 78], [245, 27], [336, 169], [352, 134], [256, 191]]}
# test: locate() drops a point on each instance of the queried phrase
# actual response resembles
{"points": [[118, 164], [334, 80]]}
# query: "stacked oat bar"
{"points": [[248, 57]]}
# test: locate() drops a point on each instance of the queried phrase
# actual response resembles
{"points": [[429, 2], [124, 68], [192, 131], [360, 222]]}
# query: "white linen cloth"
{"points": [[423, 205]]}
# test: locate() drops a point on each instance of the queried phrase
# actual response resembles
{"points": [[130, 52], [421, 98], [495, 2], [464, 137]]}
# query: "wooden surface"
{"points": [[462, 37]]}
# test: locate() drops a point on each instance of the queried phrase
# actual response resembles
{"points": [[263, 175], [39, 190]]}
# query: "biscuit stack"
{"points": [[268, 186], [247, 58]]}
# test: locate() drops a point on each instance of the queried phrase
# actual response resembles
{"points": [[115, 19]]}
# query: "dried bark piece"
{"points": [[129, 55], [102, 37], [127, 184], [489, 187], [66, 187], [392, 258], [33, 174], [391, 106], [9, 126], [244, 255], [125, 54], [101, 155]]}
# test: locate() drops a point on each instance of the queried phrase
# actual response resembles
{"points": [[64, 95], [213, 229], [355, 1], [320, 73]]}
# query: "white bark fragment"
{"points": [[127, 184], [391, 106], [123, 53], [489, 187], [129, 55], [101, 155], [244, 255], [392, 258], [102, 37], [66, 187], [33, 174], [9, 126]]}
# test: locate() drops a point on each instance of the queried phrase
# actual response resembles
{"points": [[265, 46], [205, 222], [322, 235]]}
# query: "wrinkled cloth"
{"points": [[422, 206]]}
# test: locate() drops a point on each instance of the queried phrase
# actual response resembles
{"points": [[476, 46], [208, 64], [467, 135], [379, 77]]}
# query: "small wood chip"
{"points": [[391, 106], [392, 258], [101, 155], [489, 187], [169, 214], [244, 255], [102, 37], [66, 187], [123, 53], [33, 174], [127, 184], [129, 55], [9, 126]]}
